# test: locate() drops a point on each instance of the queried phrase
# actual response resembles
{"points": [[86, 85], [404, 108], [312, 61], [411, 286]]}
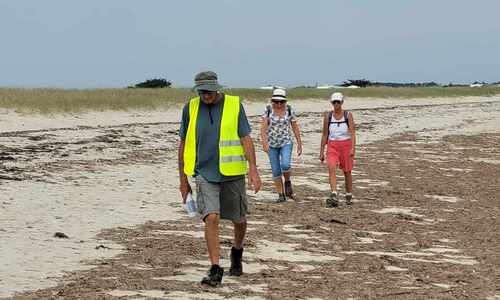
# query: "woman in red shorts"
{"points": [[339, 136]]}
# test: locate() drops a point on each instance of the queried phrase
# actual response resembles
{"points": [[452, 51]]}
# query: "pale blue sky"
{"points": [[113, 43]]}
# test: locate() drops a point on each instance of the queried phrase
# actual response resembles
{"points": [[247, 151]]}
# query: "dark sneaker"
{"points": [[214, 277], [236, 266], [281, 198], [332, 201], [288, 189], [348, 199]]}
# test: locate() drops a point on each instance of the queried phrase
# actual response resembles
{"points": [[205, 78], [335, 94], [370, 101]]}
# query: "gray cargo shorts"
{"points": [[227, 199]]}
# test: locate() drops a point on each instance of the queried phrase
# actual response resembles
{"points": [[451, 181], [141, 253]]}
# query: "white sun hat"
{"points": [[337, 97], [279, 95]]}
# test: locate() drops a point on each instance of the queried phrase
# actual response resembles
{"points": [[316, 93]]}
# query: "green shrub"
{"points": [[154, 84]]}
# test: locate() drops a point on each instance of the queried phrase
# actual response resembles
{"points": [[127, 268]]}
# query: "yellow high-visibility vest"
{"points": [[232, 159]]}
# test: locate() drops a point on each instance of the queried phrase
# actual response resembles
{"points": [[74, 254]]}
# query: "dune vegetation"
{"points": [[73, 100]]}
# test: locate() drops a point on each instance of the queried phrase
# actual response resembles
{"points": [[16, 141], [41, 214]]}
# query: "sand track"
{"points": [[424, 223]]}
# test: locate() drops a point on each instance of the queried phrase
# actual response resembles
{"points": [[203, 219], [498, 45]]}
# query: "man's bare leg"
{"points": [[212, 238]]}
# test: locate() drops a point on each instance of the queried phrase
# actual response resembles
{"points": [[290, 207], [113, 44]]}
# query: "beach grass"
{"points": [[400, 92], [74, 101]]}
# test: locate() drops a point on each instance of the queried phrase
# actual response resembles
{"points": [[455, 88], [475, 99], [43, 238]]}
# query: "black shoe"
{"points": [[281, 198], [236, 266], [288, 189], [348, 199], [214, 277], [332, 201]]}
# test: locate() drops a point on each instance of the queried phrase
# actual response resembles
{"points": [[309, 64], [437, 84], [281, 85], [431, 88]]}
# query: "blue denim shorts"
{"points": [[281, 159]]}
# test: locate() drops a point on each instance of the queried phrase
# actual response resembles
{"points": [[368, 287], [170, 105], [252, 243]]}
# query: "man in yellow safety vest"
{"points": [[215, 149]]}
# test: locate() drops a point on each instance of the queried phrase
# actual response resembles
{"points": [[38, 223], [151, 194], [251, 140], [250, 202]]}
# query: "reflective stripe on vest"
{"points": [[232, 159]]}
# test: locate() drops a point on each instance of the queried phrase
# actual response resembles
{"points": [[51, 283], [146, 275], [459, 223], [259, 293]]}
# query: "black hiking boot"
{"points": [[236, 266], [332, 201], [288, 189], [214, 277], [281, 198], [348, 199]]}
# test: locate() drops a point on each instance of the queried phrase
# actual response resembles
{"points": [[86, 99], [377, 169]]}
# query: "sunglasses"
{"points": [[336, 102], [205, 92], [279, 101]]}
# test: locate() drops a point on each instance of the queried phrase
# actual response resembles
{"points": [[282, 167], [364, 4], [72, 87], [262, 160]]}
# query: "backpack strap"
{"points": [[268, 110], [346, 118], [330, 116]]}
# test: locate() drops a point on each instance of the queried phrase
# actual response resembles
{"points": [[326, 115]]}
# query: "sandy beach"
{"points": [[424, 223]]}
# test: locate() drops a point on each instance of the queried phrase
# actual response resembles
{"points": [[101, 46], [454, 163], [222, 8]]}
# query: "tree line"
{"points": [[366, 83]]}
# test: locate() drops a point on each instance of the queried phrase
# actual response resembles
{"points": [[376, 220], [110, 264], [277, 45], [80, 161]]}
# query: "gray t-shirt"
{"points": [[207, 138]]}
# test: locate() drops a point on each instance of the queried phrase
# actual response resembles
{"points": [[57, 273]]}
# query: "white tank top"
{"points": [[339, 131]]}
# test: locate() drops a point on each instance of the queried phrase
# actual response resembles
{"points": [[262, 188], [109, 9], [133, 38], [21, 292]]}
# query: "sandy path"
{"points": [[82, 174]]}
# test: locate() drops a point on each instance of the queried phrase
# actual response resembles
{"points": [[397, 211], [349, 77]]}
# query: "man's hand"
{"points": [[254, 179], [185, 189], [322, 156], [353, 152], [253, 174]]}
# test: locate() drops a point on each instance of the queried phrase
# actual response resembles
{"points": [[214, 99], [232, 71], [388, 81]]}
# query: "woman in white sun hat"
{"points": [[340, 138], [276, 139]]}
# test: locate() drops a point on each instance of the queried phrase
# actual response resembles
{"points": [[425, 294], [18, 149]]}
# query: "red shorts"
{"points": [[338, 153]]}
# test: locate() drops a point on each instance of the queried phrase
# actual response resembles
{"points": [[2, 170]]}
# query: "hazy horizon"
{"points": [[114, 44]]}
